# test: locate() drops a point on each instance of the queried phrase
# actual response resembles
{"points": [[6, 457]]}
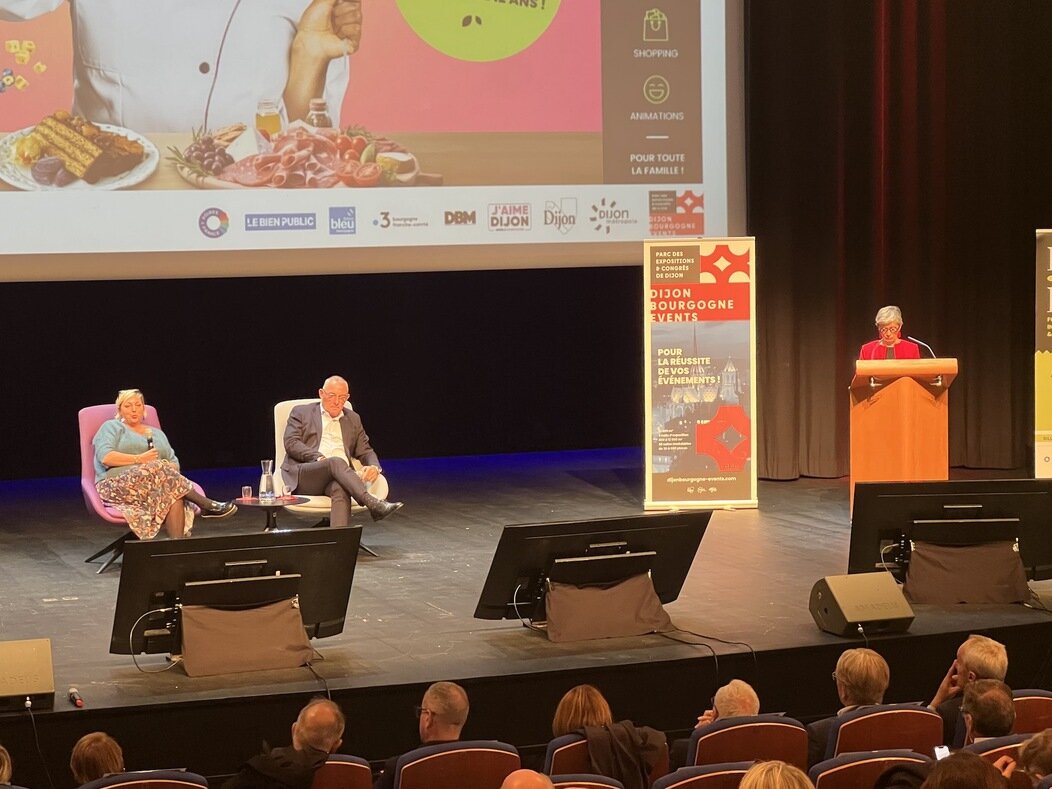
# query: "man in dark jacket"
{"points": [[317, 732]]}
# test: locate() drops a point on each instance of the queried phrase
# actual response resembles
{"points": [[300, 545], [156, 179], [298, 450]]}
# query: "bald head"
{"points": [[318, 727], [527, 779]]}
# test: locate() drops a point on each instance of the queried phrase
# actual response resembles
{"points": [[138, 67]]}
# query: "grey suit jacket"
{"points": [[303, 437]]}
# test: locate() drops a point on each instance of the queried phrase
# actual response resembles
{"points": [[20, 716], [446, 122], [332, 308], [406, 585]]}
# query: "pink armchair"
{"points": [[90, 420]]}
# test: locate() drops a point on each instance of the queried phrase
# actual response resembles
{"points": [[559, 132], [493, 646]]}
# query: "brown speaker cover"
{"points": [[627, 608], [950, 574], [217, 641]]}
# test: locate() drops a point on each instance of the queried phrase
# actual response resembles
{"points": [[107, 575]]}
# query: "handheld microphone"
{"points": [[911, 339], [74, 698], [149, 437]]}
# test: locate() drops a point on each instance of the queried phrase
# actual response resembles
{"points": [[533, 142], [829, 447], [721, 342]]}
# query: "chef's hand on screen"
{"points": [[330, 29]]}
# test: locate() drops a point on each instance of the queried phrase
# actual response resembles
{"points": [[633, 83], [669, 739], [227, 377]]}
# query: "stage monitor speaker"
{"points": [[26, 671], [840, 603]]}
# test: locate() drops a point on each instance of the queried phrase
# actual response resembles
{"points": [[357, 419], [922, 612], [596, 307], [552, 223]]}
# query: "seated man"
{"points": [[862, 677], [988, 709], [442, 713], [317, 732], [322, 443], [734, 700], [978, 657]]}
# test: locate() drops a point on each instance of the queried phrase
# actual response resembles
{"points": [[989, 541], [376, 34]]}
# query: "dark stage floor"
{"points": [[410, 617]]}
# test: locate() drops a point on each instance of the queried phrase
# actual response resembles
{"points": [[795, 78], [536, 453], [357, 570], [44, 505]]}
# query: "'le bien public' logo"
{"points": [[301, 221]]}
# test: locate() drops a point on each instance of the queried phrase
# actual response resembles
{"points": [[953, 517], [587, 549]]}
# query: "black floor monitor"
{"points": [[241, 570], [887, 515], [588, 552]]}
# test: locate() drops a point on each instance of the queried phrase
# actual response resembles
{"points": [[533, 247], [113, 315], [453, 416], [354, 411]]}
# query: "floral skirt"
{"points": [[145, 493]]}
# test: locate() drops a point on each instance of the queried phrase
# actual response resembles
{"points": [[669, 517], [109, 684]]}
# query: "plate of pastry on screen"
{"points": [[66, 151]]}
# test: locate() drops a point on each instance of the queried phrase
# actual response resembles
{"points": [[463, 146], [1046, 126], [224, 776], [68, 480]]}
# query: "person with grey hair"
{"points": [[317, 732], [889, 343], [328, 453], [442, 714], [979, 657], [734, 700]]}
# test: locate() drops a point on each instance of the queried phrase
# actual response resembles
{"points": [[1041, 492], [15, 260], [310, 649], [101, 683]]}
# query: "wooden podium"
{"points": [[900, 420]]}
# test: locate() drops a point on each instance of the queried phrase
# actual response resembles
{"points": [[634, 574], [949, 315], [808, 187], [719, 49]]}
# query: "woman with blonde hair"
{"points": [[137, 472], [620, 750], [5, 766], [581, 706], [775, 775]]}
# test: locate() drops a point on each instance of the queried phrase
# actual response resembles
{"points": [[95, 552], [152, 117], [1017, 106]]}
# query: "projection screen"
{"points": [[198, 138]]}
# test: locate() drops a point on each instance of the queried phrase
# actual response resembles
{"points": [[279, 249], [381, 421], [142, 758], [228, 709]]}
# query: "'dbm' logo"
{"points": [[460, 217]]}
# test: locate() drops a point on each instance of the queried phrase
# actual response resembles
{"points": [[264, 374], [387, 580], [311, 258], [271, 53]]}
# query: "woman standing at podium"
{"points": [[890, 345]]}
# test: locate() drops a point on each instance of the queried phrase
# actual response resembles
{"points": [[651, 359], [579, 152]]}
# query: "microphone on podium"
{"points": [[911, 339]]}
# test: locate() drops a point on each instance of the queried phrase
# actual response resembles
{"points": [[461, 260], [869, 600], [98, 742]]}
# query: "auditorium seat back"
{"points": [[1033, 710], [749, 738], [860, 770], [705, 776], [150, 779], [480, 764], [568, 754], [885, 727], [343, 772], [585, 781]]}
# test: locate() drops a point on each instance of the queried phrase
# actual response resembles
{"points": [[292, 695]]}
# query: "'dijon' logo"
{"points": [[479, 30]]}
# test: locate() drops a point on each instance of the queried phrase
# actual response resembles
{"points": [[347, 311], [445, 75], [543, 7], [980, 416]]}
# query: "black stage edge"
{"points": [[409, 621]]}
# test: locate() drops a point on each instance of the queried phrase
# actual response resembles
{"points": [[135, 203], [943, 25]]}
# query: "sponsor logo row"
{"points": [[670, 213]]}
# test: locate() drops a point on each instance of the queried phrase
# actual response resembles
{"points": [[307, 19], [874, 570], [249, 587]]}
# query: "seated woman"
{"points": [[137, 472], [621, 750], [890, 344], [5, 766], [95, 756]]}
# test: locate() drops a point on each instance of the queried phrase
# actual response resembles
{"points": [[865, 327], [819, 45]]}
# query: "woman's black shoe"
{"points": [[219, 509]]}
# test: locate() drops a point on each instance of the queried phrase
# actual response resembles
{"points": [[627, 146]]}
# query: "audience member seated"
{"points": [[137, 472], [527, 779], [317, 732], [861, 677], [733, 700], [988, 709], [775, 775], [904, 776], [442, 712], [6, 767], [978, 657], [964, 770], [618, 750], [95, 755], [1035, 757]]}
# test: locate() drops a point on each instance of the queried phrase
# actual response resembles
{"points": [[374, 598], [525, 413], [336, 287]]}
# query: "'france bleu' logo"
{"points": [[342, 221]]}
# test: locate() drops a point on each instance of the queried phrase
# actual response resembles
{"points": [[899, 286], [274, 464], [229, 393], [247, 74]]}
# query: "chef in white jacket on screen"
{"points": [[176, 65]]}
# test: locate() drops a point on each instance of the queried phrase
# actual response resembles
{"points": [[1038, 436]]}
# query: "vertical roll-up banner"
{"points": [[699, 339], [1043, 358]]}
